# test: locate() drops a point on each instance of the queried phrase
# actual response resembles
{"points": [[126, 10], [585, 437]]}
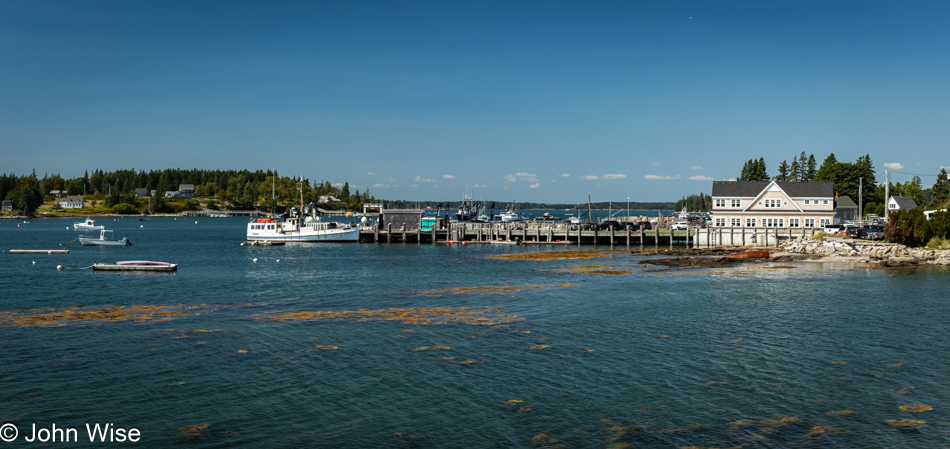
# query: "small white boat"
{"points": [[103, 240], [88, 225]]}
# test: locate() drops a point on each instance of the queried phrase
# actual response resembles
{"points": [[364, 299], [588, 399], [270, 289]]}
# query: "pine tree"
{"points": [[782, 172]]}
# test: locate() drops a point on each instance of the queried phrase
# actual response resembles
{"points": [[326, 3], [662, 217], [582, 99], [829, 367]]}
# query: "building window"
{"points": [[825, 202], [720, 203], [773, 222], [824, 222], [736, 203], [736, 222], [807, 202], [793, 223], [773, 203], [809, 222], [720, 222], [750, 222]]}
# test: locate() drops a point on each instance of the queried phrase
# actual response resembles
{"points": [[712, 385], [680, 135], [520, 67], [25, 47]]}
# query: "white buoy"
{"points": [[278, 260], [255, 260], [196, 221], [59, 267], [67, 227], [34, 262], [141, 226]]}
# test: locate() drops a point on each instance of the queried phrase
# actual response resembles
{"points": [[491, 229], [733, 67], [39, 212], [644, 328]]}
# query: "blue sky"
{"points": [[541, 101]]}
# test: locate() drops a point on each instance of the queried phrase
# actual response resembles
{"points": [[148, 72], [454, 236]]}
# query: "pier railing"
{"points": [[569, 234]]}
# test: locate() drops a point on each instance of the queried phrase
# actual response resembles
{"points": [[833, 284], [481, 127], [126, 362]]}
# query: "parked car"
{"points": [[833, 229], [680, 225], [871, 232], [852, 231], [610, 224], [635, 226]]}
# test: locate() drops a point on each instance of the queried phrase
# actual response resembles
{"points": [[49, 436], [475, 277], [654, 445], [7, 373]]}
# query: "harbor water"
{"points": [[460, 346]]}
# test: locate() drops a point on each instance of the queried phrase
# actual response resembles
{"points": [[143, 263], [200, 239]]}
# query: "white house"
{"points": [[327, 199], [186, 190], [896, 203], [771, 204], [7, 206], [71, 202]]}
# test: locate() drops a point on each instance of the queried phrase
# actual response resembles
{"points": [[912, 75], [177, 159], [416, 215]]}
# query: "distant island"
{"points": [[175, 191]]}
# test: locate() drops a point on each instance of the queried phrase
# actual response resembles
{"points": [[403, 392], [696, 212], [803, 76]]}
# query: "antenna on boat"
{"points": [[273, 193]]}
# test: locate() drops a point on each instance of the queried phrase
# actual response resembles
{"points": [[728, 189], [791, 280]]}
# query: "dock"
{"points": [[38, 251], [146, 267], [541, 233]]}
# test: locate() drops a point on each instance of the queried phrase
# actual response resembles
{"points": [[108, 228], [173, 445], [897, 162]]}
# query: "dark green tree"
{"points": [[811, 168], [783, 171], [795, 171], [908, 227], [26, 197]]}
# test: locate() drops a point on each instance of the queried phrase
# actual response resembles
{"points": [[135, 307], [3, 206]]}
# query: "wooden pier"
{"points": [[564, 234], [526, 233]]}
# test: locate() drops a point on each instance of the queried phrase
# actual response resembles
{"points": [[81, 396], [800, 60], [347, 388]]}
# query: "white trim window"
{"points": [[736, 222], [773, 222], [793, 223], [773, 203], [807, 202], [736, 203], [824, 202], [809, 222], [750, 222], [824, 222], [720, 203], [720, 222]]}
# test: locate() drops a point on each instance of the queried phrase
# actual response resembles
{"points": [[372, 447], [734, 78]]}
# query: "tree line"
{"points": [[232, 189]]}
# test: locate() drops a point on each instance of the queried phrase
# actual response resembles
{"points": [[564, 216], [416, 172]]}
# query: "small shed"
{"points": [[410, 218]]}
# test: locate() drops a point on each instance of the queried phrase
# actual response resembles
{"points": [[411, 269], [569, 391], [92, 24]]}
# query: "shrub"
{"points": [[938, 243], [124, 208], [819, 236]]}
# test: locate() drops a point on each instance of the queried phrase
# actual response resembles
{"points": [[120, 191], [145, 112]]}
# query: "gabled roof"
{"points": [[846, 202], [904, 202], [751, 189]]}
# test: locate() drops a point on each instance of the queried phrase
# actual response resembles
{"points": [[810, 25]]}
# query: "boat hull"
{"points": [[84, 227], [97, 242], [345, 235]]}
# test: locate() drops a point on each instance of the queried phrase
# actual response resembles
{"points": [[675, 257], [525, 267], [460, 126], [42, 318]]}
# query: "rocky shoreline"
{"points": [[839, 250]]}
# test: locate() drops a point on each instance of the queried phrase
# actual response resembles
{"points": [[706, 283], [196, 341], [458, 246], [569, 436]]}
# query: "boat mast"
{"points": [[273, 192]]}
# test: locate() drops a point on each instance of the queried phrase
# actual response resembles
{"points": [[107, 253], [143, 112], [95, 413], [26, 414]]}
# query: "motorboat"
{"points": [[87, 225], [104, 240]]}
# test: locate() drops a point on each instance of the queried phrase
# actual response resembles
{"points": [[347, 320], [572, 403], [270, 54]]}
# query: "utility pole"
{"points": [[887, 194], [860, 192]]}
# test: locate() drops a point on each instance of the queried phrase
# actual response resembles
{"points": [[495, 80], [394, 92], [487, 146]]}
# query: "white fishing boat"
{"points": [[88, 225], [304, 227], [103, 240], [510, 216]]}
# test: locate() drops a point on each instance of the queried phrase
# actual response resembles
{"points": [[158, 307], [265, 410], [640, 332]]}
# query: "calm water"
{"points": [[650, 359]]}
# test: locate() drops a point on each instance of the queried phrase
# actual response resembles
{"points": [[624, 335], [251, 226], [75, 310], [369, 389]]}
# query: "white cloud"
{"points": [[415, 185], [615, 176], [421, 179], [731, 179], [590, 177], [535, 185], [370, 173], [390, 179], [337, 184], [565, 175], [522, 176], [381, 186], [661, 178], [696, 167], [701, 178], [448, 177], [893, 165], [656, 164], [478, 186]]}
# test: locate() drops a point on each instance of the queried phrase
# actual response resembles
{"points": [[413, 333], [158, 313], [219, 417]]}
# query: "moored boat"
{"points": [[103, 240], [137, 265], [301, 228], [87, 225]]}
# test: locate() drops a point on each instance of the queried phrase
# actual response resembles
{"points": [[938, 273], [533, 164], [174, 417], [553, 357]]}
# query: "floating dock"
{"points": [[38, 251], [148, 266]]}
